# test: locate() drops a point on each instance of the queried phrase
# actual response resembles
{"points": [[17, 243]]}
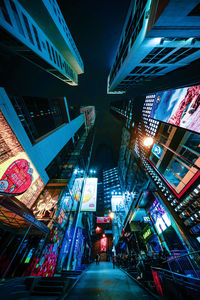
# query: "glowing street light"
{"points": [[92, 171], [98, 229], [103, 235], [148, 141], [111, 215], [75, 171]]}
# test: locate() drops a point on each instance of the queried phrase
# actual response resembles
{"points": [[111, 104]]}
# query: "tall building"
{"points": [[124, 111], [100, 193], [111, 186], [159, 170], [42, 38], [155, 40], [41, 182]]}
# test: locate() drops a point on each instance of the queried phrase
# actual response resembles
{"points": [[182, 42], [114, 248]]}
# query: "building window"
{"points": [[49, 51], [4, 11], [28, 28], [16, 16], [53, 55], [37, 38], [39, 116]]}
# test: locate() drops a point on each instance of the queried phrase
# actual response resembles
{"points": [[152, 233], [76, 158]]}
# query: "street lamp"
{"points": [[148, 141], [92, 171], [111, 215], [98, 229]]}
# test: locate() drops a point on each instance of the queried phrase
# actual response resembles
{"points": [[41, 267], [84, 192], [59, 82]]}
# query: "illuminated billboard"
{"points": [[90, 195], [103, 219], [179, 107], [159, 216], [117, 203], [103, 243], [46, 204], [18, 175], [76, 192]]}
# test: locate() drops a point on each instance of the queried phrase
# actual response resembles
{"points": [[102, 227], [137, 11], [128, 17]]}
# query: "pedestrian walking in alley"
{"points": [[114, 261], [98, 258]]}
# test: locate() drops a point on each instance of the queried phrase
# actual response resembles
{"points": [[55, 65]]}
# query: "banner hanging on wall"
{"points": [[89, 195]]}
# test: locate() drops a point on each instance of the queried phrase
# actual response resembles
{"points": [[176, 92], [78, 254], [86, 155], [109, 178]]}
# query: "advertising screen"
{"points": [[103, 219], [76, 192], [179, 107], [159, 216], [18, 175], [117, 202], [90, 195]]}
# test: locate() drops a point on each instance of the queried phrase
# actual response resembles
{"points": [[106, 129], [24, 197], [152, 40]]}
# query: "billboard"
{"points": [[117, 203], [179, 107], [76, 192], [90, 195], [103, 243], [18, 175], [89, 112], [103, 219], [46, 204], [159, 216]]}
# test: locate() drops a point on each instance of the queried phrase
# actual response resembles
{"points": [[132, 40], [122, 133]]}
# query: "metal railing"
{"points": [[187, 264], [176, 285]]}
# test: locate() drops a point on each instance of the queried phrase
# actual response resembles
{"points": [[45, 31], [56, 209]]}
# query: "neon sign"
{"points": [[103, 243], [147, 234]]}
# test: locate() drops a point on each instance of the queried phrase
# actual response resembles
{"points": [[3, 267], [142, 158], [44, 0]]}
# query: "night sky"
{"points": [[96, 28]]}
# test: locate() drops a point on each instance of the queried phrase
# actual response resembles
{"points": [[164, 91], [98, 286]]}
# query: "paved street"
{"points": [[102, 282]]}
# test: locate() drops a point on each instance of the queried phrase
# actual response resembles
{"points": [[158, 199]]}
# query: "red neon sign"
{"points": [[103, 219], [103, 243]]}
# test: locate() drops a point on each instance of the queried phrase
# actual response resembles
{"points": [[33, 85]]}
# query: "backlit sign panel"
{"points": [[18, 175], [76, 192], [117, 202], [157, 150], [46, 204], [159, 216], [179, 107], [89, 195], [103, 219], [146, 234], [103, 243]]}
